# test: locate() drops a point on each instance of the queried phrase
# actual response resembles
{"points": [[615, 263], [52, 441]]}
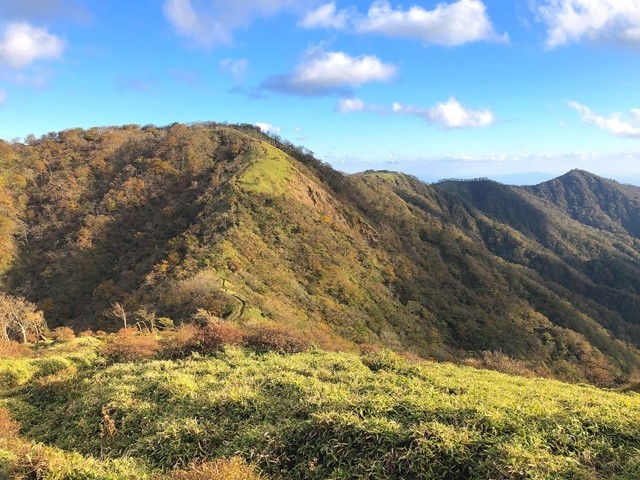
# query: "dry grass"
{"points": [[8, 427], [14, 350], [224, 469], [502, 363]]}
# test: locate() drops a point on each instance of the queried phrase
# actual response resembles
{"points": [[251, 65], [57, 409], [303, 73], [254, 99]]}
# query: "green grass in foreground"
{"points": [[313, 415]]}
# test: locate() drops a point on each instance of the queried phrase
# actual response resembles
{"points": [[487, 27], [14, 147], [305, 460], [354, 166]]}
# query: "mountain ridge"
{"points": [[254, 229]]}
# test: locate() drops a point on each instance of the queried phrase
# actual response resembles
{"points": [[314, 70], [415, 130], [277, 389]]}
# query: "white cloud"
{"points": [[237, 68], [298, 129], [348, 105], [571, 21], [323, 72], [446, 115], [452, 24], [326, 16], [3, 97], [212, 22], [449, 115], [267, 127], [616, 123], [22, 44]]}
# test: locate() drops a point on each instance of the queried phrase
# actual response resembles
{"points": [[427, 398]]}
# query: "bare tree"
{"points": [[118, 312], [146, 318], [19, 316]]}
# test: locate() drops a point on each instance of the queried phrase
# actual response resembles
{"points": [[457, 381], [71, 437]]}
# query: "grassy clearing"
{"points": [[269, 175], [315, 415]]}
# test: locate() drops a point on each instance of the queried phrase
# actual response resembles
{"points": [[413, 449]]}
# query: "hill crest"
{"points": [[253, 229]]}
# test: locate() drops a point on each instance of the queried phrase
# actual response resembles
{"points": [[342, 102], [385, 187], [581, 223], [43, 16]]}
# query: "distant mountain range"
{"points": [[168, 221], [530, 178]]}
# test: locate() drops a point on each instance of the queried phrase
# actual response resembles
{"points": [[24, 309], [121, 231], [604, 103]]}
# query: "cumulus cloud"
{"points": [[354, 104], [267, 127], [348, 105], [448, 115], [22, 44], [321, 73], [212, 22], [616, 123], [326, 16], [237, 68], [572, 21], [448, 24], [451, 24]]}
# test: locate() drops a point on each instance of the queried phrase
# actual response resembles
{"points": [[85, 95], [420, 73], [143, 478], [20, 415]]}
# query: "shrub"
{"points": [[206, 339], [14, 373], [62, 334], [215, 335], [224, 469], [500, 362], [50, 366], [278, 338], [129, 346], [180, 342], [13, 350], [383, 359], [367, 348]]}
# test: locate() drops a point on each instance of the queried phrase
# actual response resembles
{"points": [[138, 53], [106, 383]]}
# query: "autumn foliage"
{"points": [[279, 338], [130, 345]]}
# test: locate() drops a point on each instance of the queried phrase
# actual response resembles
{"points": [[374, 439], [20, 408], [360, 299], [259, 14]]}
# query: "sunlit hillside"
{"points": [[238, 413], [165, 222]]}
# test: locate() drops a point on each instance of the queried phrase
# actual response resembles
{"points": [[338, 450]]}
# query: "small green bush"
{"points": [[14, 373], [50, 366]]}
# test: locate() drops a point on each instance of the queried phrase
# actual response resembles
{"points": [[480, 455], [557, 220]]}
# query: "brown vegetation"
{"points": [[130, 345], [121, 224], [223, 469], [62, 334], [275, 337], [8, 427], [13, 350]]}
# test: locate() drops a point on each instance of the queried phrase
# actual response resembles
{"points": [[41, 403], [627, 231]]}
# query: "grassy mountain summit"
{"points": [[172, 221]]}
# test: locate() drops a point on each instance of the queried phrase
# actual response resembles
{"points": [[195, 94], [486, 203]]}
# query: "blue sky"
{"points": [[459, 88]]}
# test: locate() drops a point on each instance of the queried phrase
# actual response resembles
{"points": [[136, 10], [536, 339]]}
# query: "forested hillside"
{"points": [[161, 225]]}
